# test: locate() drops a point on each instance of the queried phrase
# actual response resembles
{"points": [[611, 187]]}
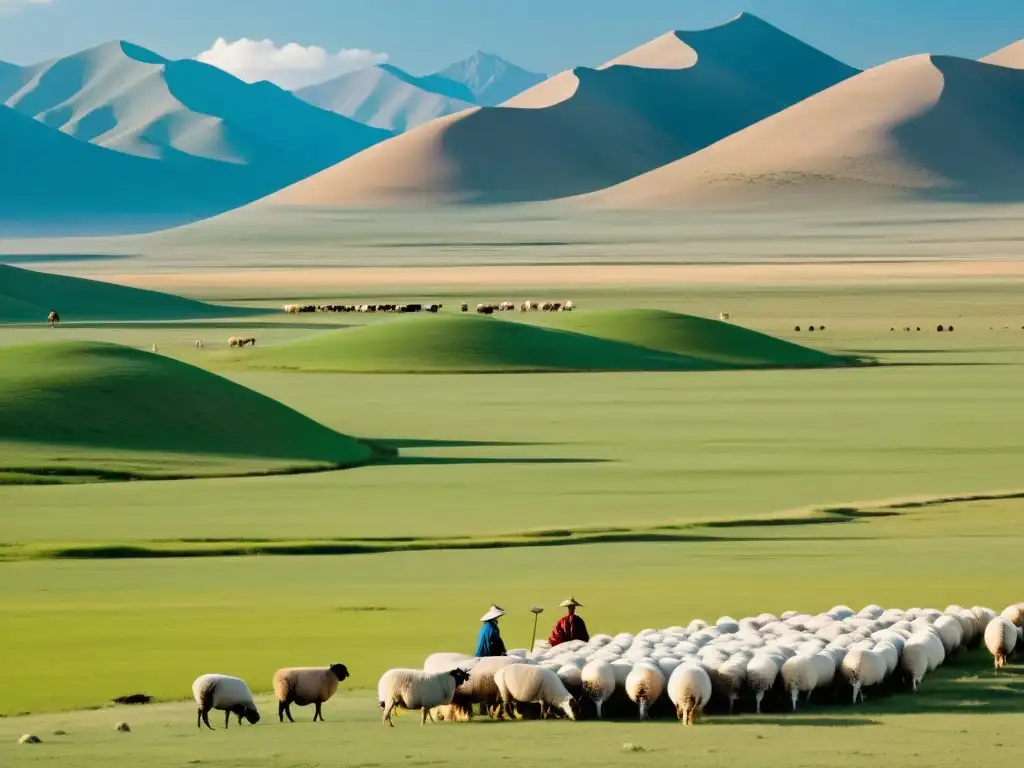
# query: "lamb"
{"points": [[229, 694], [531, 684], [1000, 639], [761, 673], [799, 673], [414, 689], [303, 686], [863, 668], [598, 683], [914, 661], [689, 689], [644, 685]]}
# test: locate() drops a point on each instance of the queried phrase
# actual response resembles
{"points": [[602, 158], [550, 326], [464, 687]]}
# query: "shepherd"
{"points": [[53, 318], [570, 626], [489, 642]]}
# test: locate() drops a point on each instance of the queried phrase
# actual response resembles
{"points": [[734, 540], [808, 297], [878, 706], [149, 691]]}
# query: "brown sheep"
{"points": [[303, 686]]}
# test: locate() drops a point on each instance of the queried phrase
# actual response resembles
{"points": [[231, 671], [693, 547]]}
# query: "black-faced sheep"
{"points": [[225, 693], [303, 686], [415, 689]]}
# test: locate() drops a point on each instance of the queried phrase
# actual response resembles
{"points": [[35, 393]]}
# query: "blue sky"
{"points": [[543, 35]]}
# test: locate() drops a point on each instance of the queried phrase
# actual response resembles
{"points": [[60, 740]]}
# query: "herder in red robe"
{"points": [[570, 626]]}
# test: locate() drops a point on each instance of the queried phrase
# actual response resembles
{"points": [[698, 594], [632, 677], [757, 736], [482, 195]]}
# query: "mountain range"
{"points": [[388, 97], [120, 139], [587, 129]]}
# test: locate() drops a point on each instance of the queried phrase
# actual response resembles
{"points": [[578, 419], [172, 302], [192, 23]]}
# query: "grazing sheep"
{"points": [[303, 686], [799, 674], [949, 632], [122, 727], [914, 662], [1014, 614], [228, 694], [728, 679], [53, 318], [797, 329], [199, 344], [445, 662], [30, 738], [155, 349], [414, 689], [1000, 639], [598, 683], [234, 341], [761, 673], [480, 689], [940, 329], [465, 307], [644, 684], [723, 316], [689, 689], [531, 684], [863, 668]]}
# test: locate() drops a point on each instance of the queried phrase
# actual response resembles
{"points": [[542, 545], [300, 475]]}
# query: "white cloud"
{"points": [[290, 66]]}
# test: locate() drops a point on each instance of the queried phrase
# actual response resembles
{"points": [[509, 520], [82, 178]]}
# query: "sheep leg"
{"points": [[203, 717], [318, 713], [386, 720], [227, 719], [423, 716], [598, 704], [643, 709]]}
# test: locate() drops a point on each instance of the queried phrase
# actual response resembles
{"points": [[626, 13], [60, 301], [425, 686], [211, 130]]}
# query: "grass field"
{"points": [[653, 497]]}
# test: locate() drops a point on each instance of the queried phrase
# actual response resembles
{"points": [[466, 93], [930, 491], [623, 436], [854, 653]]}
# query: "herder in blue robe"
{"points": [[489, 642]]}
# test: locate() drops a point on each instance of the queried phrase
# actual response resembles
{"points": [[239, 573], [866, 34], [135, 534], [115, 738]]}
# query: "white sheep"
{"points": [[728, 679], [1000, 639], [644, 685], [800, 674], [530, 684], [303, 686], [950, 633], [572, 678], [480, 689], [914, 661], [689, 689], [445, 662], [228, 694], [1014, 614], [598, 683], [761, 672], [415, 689], [863, 668]]}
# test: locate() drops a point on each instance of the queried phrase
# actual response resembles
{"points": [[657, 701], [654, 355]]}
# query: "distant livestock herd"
{"points": [[293, 309], [483, 309]]}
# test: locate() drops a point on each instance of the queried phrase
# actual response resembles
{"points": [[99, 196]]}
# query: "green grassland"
{"points": [[655, 497], [634, 340], [27, 296], [91, 410]]}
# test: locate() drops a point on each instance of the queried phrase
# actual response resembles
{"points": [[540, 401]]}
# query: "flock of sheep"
{"points": [[526, 306], [293, 309], [767, 658]]}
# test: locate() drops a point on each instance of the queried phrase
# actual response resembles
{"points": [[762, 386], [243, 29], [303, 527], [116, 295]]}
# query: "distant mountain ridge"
{"points": [[391, 98], [220, 142], [587, 129]]}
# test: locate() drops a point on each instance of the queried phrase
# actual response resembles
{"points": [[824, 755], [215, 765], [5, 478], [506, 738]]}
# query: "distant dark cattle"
{"points": [[432, 308], [486, 309], [951, 329], [797, 329], [940, 329], [465, 307]]}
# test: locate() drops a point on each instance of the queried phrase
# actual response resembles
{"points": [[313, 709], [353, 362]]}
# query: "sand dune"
{"points": [[56, 184], [389, 98], [924, 126], [590, 128], [1010, 56], [129, 99]]}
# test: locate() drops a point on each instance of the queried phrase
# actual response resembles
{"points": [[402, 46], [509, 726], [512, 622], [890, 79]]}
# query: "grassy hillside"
{"points": [[459, 344], [27, 297], [71, 409], [716, 344], [622, 340]]}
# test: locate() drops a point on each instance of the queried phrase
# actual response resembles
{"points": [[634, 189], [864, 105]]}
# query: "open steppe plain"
{"points": [[653, 497]]}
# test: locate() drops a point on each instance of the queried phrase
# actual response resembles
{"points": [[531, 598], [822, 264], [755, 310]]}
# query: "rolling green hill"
{"points": [[625, 340], [459, 344], [27, 297], [716, 344], [96, 410]]}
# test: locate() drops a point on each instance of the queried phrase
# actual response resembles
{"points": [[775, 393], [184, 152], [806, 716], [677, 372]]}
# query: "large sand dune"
{"points": [[924, 126], [1010, 56], [590, 128], [388, 97], [54, 183], [126, 98]]}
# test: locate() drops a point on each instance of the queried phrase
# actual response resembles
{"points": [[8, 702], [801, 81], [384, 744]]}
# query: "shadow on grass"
{"points": [[795, 721], [400, 443], [412, 461]]}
